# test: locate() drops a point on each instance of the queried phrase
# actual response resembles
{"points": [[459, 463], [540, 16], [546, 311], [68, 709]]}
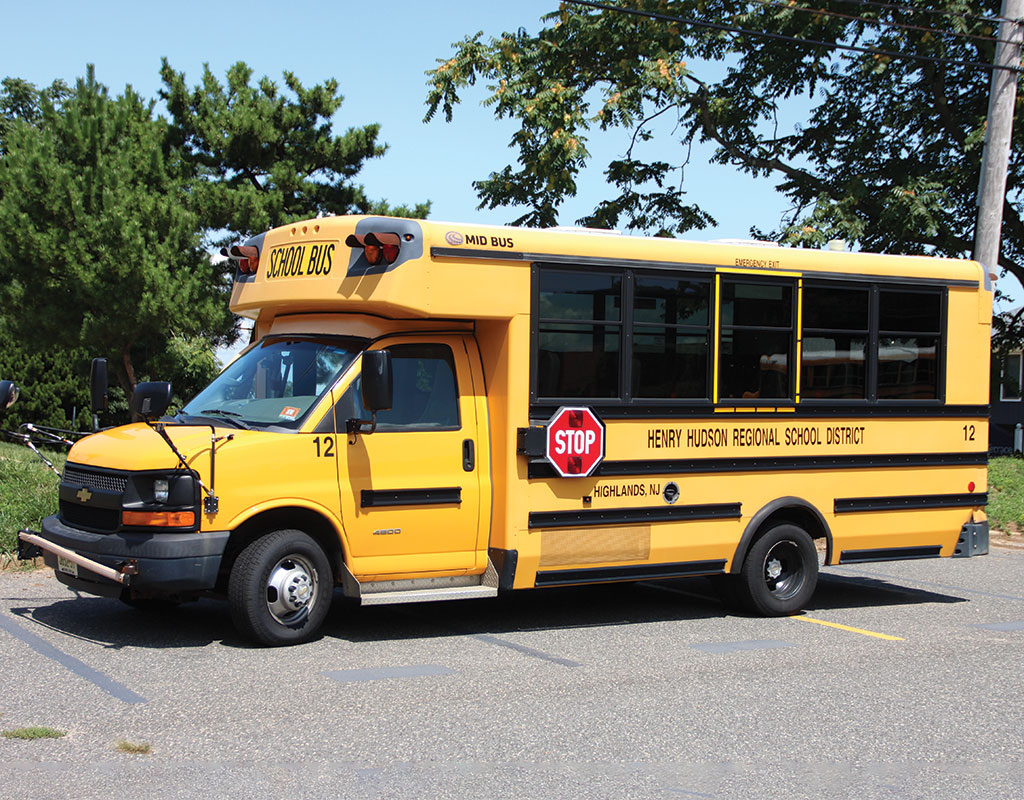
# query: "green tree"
{"points": [[99, 250], [21, 102], [887, 157], [53, 391], [262, 157], [105, 213]]}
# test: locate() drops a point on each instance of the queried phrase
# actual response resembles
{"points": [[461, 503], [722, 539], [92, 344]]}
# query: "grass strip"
{"points": [[34, 733], [134, 748]]}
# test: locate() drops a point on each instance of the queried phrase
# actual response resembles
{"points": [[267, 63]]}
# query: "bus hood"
{"points": [[139, 447]]}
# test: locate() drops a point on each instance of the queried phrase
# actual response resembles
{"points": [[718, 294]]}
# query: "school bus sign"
{"points": [[575, 442]]}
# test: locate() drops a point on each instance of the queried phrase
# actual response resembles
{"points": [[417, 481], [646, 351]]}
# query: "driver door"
{"points": [[410, 491]]}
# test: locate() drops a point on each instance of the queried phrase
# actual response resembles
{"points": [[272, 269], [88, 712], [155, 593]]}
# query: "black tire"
{"points": [[280, 589], [780, 572]]}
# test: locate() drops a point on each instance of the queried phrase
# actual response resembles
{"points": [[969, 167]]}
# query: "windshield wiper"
{"points": [[229, 416]]}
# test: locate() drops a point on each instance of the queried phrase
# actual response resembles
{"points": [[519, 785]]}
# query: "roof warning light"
{"points": [[378, 248]]}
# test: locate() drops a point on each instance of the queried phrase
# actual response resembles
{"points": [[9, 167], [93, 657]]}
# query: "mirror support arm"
{"points": [[355, 426], [211, 503]]}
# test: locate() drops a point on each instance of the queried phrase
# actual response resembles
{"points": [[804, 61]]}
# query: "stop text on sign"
{"points": [[574, 441]]}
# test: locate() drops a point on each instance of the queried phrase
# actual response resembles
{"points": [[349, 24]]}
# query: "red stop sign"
{"points": [[575, 442]]}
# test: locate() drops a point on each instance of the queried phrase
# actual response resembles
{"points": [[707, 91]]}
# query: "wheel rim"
{"points": [[783, 570], [292, 589]]}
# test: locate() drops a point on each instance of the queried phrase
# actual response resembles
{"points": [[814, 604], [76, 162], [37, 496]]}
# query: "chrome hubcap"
{"points": [[291, 589]]}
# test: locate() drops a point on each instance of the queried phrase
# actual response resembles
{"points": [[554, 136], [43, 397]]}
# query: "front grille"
{"points": [[99, 511], [95, 480], [96, 519]]}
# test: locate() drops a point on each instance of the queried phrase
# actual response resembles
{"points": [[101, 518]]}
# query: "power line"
{"points": [[875, 23], [918, 10], [873, 51]]}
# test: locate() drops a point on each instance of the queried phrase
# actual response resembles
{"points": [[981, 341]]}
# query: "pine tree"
{"points": [[261, 156], [99, 248]]}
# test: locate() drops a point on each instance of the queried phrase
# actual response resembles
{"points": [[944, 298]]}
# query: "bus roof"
{"points": [[428, 268]]}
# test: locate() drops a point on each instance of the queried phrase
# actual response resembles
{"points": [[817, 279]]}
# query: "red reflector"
{"points": [[159, 519], [970, 486]]}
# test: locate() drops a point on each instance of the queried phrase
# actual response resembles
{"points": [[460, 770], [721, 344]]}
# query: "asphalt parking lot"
{"points": [[902, 680]]}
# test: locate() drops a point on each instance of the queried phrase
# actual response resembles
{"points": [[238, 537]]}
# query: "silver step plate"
{"points": [[428, 595]]}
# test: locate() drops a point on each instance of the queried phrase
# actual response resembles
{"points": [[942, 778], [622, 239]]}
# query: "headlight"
{"points": [[161, 490]]}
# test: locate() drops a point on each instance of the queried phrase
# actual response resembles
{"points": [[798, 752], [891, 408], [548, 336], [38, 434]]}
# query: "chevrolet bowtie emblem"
{"points": [[84, 495]]}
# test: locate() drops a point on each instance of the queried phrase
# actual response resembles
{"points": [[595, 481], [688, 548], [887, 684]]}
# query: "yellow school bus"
{"points": [[431, 411]]}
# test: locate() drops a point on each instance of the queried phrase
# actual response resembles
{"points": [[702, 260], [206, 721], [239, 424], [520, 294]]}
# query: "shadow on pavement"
{"points": [[110, 623], [838, 592]]}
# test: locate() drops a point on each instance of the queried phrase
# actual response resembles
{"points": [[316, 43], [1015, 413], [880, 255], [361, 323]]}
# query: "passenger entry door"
{"points": [[410, 491]]}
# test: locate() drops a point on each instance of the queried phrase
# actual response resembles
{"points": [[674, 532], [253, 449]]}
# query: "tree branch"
{"points": [[640, 127], [773, 164], [937, 87], [254, 180]]}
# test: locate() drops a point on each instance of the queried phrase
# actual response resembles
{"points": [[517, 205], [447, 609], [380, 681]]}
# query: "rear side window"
{"points": [[909, 335], [671, 324], [756, 340], [836, 340], [579, 334]]}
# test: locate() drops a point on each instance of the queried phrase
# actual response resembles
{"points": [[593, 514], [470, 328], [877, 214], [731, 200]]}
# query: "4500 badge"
{"points": [[291, 261]]}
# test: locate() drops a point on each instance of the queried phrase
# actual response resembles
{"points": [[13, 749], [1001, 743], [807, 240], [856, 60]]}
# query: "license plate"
{"points": [[67, 566]]}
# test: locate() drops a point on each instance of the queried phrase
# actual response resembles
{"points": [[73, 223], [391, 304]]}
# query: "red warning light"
{"points": [[378, 248], [245, 256]]}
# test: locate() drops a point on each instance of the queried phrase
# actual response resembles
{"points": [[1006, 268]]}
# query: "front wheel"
{"points": [[780, 572], [280, 588]]}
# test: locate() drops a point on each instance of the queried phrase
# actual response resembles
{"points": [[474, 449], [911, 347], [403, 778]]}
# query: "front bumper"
{"points": [[154, 564]]}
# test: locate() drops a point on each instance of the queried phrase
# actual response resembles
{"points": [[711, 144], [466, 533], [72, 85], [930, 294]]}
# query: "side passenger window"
{"points": [[426, 394]]}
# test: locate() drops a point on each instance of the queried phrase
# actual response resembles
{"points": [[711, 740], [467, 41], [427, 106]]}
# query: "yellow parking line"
{"points": [[853, 630]]}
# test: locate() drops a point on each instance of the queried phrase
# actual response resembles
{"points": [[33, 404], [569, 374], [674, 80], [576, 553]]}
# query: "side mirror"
{"points": [[9, 392], [98, 384], [377, 380], [150, 400], [377, 391]]}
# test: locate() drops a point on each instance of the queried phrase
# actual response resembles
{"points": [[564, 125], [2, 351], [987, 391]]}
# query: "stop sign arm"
{"points": [[574, 441]]}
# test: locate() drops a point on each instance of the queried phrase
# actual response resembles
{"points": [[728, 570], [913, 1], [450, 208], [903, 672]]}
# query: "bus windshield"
{"points": [[276, 383]]}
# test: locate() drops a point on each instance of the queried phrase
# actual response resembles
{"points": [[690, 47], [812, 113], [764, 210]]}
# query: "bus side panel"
{"points": [[968, 335], [863, 509], [504, 350], [905, 534]]}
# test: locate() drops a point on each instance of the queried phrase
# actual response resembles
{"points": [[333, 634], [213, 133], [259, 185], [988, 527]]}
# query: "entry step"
{"points": [[427, 595]]}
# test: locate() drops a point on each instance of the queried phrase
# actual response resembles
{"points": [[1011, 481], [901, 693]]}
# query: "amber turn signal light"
{"points": [[159, 519]]}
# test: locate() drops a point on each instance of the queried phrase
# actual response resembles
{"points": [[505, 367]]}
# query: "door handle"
{"points": [[468, 458]]}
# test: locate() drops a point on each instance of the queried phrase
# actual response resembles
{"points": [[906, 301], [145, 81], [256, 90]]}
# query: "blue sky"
{"points": [[378, 53]]}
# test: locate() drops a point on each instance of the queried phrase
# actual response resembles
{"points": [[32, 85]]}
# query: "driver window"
{"points": [[426, 395]]}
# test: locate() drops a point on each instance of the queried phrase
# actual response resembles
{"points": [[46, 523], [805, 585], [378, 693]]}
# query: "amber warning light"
{"points": [[245, 256], [378, 248]]}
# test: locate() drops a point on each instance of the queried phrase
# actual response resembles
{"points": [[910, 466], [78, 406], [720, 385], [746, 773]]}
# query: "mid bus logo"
{"points": [[574, 442], [454, 238]]}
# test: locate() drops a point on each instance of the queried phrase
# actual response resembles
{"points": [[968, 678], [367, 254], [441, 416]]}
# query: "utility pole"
{"points": [[998, 130]]}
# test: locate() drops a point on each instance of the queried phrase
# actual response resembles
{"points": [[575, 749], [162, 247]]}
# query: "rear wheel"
{"points": [[780, 572], [280, 588]]}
